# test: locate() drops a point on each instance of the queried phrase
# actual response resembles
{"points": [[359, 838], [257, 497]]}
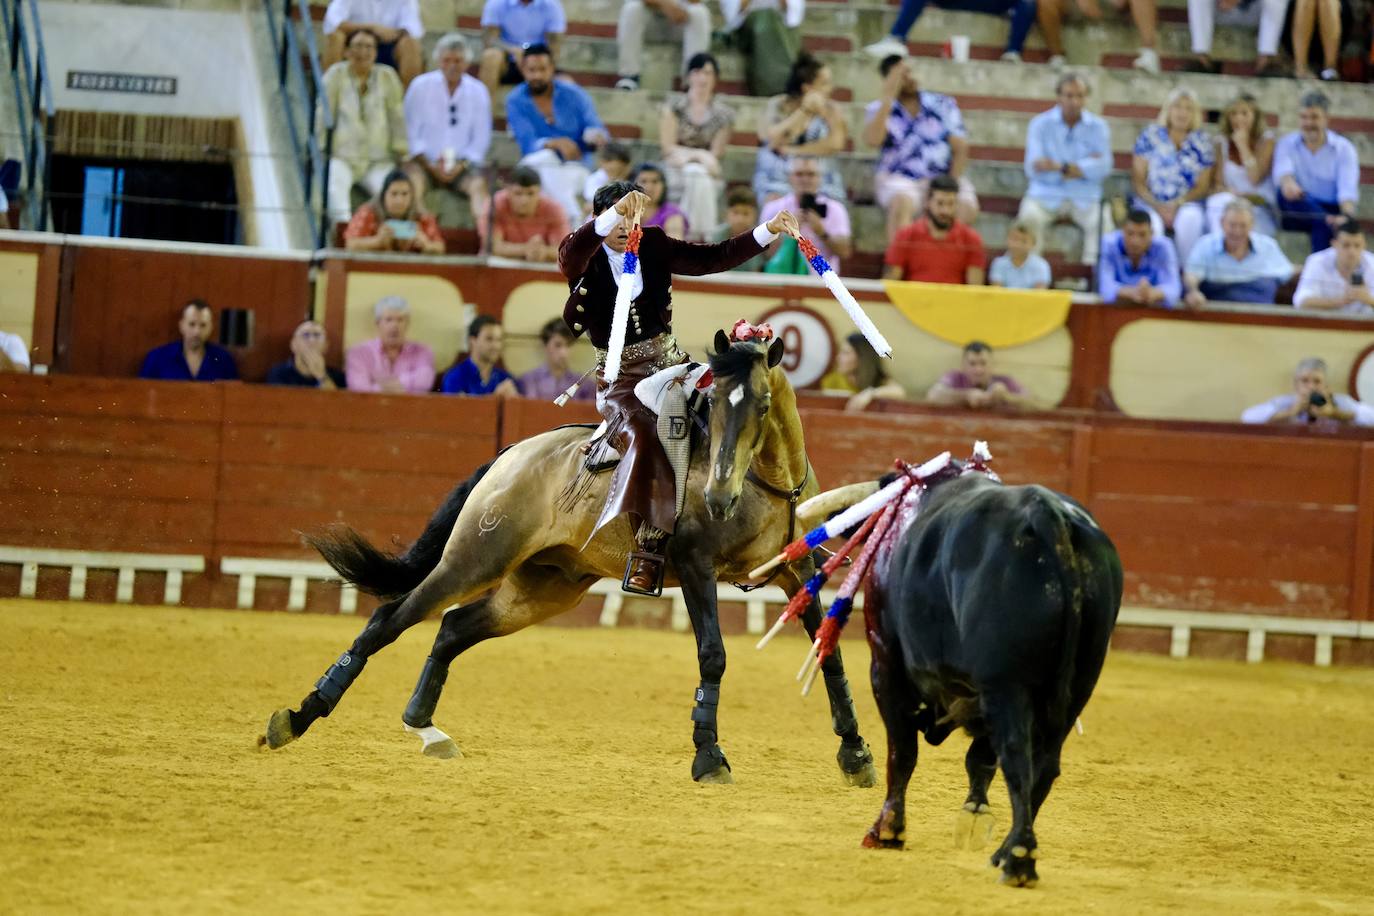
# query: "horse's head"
{"points": [[741, 396]]}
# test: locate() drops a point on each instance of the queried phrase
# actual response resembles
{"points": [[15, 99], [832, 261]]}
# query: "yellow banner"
{"points": [[997, 316]]}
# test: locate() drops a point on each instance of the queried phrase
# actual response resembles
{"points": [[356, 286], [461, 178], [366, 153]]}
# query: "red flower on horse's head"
{"points": [[744, 331]]}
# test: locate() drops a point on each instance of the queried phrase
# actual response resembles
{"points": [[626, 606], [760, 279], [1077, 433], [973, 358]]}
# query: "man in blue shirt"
{"points": [[1317, 172], [1137, 268], [557, 128], [510, 26], [1235, 264], [193, 358], [480, 373], [1068, 155]]}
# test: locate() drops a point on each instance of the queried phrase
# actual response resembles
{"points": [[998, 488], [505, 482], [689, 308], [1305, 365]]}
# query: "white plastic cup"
{"points": [[450, 158], [958, 48]]}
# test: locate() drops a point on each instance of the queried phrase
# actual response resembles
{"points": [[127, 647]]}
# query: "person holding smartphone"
{"points": [[1338, 278], [394, 221]]}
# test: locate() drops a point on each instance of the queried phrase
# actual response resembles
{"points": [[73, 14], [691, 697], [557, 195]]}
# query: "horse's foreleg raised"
{"points": [[699, 591], [854, 756]]}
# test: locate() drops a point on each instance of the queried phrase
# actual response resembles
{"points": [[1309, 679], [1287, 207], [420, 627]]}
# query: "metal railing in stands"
{"points": [[33, 97], [304, 104]]}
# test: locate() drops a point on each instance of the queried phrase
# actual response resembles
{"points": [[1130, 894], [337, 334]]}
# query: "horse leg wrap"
{"points": [[338, 678], [420, 710], [842, 717], [704, 714]]}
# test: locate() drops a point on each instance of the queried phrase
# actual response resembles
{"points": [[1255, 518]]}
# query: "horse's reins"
{"points": [[792, 496]]}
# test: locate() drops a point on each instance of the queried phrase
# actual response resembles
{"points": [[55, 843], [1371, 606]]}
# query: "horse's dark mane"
{"points": [[738, 361]]}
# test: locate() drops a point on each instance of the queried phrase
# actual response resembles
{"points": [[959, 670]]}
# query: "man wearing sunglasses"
{"points": [[306, 367], [448, 120]]}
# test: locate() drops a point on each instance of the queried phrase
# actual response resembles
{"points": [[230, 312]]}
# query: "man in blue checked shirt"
{"points": [[557, 128], [1137, 268], [1235, 264], [1068, 155], [1317, 172]]}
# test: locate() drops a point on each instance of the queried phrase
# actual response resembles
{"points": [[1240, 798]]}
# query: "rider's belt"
{"points": [[662, 350]]}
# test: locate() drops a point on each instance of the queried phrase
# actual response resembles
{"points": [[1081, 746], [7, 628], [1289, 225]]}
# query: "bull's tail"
{"points": [[1051, 526], [389, 575]]}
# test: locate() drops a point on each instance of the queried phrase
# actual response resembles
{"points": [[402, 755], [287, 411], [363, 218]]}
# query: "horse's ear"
{"points": [[722, 343], [775, 353]]}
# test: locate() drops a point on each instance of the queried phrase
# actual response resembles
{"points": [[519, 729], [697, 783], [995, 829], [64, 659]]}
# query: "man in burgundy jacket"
{"points": [[591, 258]]}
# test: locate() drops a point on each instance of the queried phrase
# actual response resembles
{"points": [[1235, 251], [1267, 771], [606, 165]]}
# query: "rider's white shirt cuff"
{"points": [[606, 221], [763, 236]]}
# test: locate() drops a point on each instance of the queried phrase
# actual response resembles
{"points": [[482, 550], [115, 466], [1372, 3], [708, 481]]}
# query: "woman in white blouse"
{"points": [[1245, 155]]}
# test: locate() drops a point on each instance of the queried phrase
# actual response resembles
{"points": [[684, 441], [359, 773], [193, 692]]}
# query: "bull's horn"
{"points": [[816, 509]]}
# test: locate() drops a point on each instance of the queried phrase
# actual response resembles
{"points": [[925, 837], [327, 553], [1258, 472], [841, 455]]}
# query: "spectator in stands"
{"points": [[1236, 264], [448, 120], [193, 358], [614, 162], [1317, 172], [1068, 156], [937, 248], [659, 211], [524, 223], [693, 130], [741, 215], [1312, 401], [1266, 15], [920, 135], [389, 363], [1022, 18], [803, 121], [1339, 278], [975, 384], [1050, 17], [1138, 268], [767, 34], [688, 19], [4, 210], [394, 221], [554, 377], [1245, 158], [823, 219], [395, 24], [1020, 267], [306, 368], [859, 375], [481, 372], [1171, 171], [510, 27], [557, 128], [14, 355], [1145, 15], [369, 123], [1308, 14]]}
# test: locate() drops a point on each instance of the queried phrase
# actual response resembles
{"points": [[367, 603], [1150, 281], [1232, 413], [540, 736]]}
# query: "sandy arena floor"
{"points": [[129, 781]]}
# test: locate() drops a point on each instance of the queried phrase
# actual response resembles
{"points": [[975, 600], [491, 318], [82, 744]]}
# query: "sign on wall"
{"points": [[137, 83]]}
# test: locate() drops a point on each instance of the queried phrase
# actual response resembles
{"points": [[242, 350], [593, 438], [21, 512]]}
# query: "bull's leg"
{"points": [[699, 590], [974, 825], [897, 702], [530, 594], [854, 756], [1007, 711]]}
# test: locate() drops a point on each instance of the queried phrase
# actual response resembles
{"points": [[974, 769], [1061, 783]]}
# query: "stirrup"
{"points": [[625, 585]]}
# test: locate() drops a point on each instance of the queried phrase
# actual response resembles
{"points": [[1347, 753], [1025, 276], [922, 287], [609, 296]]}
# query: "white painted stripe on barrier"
{"points": [[1254, 647], [76, 589], [1180, 640], [348, 599], [248, 584], [1321, 656], [295, 598], [680, 621], [171, 591], [610, 609], [28, 580], [299, 572], [755, 614], [124, 585], [97, 559]]}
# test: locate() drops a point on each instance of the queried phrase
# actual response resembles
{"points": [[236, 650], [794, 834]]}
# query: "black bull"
{"points": [[993, 614]]}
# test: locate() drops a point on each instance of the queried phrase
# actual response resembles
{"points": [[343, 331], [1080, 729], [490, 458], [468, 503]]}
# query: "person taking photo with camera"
{"points": [[1312, 402]]}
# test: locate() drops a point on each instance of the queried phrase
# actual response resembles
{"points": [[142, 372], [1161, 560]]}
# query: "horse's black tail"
{"points": [[389, 575]]}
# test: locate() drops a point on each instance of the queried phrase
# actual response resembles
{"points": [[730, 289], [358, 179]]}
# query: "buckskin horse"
{"points": [[506, 550]]}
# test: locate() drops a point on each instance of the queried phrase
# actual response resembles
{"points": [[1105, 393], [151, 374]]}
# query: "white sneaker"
{"points": [[1147, 60], [1011, 57], [627, 83], [890, 45], [1058, 62], [1329, 75]]}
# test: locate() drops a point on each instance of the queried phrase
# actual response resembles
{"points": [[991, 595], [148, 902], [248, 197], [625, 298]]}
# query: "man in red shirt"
{"points": [[525, 224], [937, 248]]}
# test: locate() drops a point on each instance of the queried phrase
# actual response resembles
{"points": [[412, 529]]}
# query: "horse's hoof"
{"points": [[719, 776], [435, 743], [1020, 873], [856, 766], [873, 841], [279, 733], [973, 827]]}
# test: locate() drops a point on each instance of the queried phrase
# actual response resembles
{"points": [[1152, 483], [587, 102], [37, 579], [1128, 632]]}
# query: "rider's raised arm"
{"points": [[693, 259], [576, 250]]}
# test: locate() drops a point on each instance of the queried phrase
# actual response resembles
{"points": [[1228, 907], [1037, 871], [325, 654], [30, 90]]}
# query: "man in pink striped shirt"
{"points": [[389, 363]]}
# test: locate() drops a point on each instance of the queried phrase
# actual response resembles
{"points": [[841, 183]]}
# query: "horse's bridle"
{"points": [[791, 496]]}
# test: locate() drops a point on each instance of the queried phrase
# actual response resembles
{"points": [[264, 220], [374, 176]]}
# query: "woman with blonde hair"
{"points": [[1245, 155], [1171, 171]]}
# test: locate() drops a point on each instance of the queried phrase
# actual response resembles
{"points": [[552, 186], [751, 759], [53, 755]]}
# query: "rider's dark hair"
{"points": [[608, 195]]}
